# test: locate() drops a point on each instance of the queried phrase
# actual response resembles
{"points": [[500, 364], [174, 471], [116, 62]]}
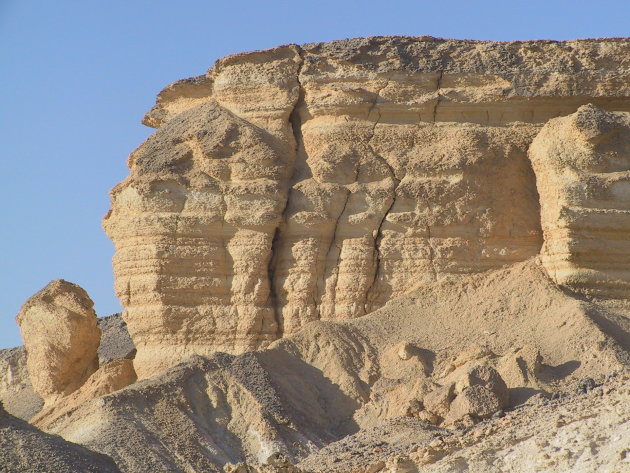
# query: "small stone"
{"points": [[439, 400], [475, 401], [585, 385]]}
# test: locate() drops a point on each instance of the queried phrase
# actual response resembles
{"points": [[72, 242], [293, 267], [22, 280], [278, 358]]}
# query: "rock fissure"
{"points": [[329, 269], [379, 235], [296, 129]]}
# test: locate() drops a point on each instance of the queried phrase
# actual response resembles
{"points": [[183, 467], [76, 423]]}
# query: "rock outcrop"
{"points": [[109, 378], [318, 182], [582, 165], [58, 326], [343, 381]]}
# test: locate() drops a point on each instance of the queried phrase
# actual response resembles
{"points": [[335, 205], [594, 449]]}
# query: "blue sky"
{"points": [[76, 78]]}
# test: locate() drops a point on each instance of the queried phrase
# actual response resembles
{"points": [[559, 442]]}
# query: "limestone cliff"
{"points": [[318, 182]]}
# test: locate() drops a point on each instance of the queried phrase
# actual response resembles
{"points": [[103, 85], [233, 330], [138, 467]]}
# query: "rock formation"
{"points": [[319, 182], [582, 165], [343, 381], [374, 255], [109, 378], [58, 326]]}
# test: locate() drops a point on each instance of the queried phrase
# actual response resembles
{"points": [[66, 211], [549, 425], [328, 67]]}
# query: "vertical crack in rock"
{"points": [[321, 282], [296, 128], [379, 233]]}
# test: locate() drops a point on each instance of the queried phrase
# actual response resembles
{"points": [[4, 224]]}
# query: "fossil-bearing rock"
{"points": [[319, 182]]}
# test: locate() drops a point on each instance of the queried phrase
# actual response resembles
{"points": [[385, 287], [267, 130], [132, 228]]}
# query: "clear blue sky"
{"points": [[77, 76]]}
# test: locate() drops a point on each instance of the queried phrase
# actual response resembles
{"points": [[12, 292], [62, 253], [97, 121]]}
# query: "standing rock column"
{"points": [[58, 326], [582, 166]]}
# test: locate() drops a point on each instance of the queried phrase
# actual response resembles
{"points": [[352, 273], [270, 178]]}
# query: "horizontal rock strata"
{"points": [[318, 182], [582, 165]]}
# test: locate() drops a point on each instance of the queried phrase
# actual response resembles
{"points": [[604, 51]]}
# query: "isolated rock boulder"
{"points": [[477, 391], [475, 401], [487, 377], [61, 338]]}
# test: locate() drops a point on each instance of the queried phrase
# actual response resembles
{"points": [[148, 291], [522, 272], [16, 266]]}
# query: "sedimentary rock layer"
{"points": [[318, 182], [582, 165]]}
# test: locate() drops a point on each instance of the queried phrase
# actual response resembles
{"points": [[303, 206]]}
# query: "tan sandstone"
{"points": [[109, 378], [319, 182], [59, 330], [582, 165]]}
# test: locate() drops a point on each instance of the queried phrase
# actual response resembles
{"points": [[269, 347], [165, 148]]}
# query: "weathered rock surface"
{"points": [[115, 340], [16, 390], [109, 378], [582, 165], [319, 182], [58, 326], [330, 260], [345, 381], [578, 434], [24, 449]]}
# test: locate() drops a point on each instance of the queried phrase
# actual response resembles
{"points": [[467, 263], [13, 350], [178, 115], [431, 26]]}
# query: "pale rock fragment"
{"points": [[521, 367], [471, 353], [439, 400], [476, 401]]}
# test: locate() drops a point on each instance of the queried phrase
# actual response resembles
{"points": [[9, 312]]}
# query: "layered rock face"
{"points": [[582, 165], [58, 326], [318, 182]]}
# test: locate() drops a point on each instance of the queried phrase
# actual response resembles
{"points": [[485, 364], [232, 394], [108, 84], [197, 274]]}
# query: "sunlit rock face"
{"points": [[318, 182], [61, 337], [582, 165]]}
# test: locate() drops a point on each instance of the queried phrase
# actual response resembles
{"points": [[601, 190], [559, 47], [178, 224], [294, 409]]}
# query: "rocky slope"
{"points": [[25, 449], [373, 255], [335, 379], [318, 182]]}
